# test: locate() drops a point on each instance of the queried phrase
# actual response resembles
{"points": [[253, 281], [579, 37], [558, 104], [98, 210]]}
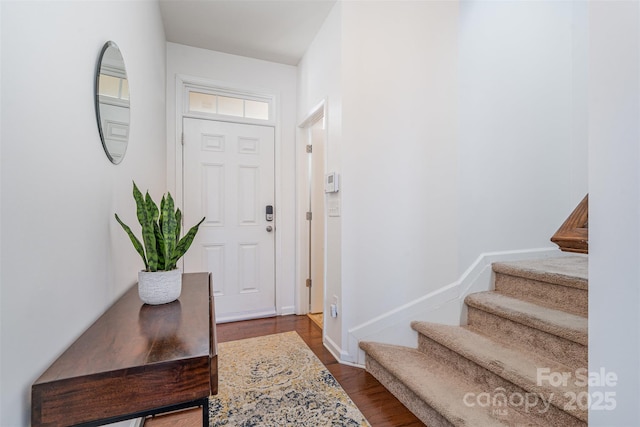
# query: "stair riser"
{"points": [[557, 348], [418, 407], [495, 385], [559, 297]]}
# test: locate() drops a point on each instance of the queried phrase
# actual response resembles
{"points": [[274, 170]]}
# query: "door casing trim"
{"points": [[175, 182], [318, 112]]}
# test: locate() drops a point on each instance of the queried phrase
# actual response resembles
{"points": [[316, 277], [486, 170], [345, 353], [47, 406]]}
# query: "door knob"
{"points": [[269, 228]]}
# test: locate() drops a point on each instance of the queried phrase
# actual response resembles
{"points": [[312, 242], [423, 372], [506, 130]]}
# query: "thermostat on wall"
{"points": [[331, 183]]}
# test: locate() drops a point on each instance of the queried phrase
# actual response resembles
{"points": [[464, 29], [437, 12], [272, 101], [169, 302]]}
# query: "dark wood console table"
{"points": [[135, 360]]}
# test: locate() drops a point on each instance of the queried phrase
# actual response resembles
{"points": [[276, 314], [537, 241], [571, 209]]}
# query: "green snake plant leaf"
{"points": [[185, 242], [168, 227], [152, 208], [157, 228], [178, 224], [159, 247], [136, 243], [148, 234]]}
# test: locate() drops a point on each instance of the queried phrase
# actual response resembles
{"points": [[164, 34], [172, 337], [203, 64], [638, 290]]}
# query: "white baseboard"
{"points": [[287, 310], [335, 350], [444, 305]]}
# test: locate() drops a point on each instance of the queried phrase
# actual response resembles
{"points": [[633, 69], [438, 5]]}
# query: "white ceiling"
{"points": [[272, 30]]}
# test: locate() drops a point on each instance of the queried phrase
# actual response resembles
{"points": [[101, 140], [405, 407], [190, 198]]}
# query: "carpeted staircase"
{"points": [[520, 361]]}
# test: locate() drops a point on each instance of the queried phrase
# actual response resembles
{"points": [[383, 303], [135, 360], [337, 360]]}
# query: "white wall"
{"points": [[319, 79], [249, 74], [399, 154], [522, 123], [580, 91], [1, 174], [64, 258], [388, 73], [614, 205]]}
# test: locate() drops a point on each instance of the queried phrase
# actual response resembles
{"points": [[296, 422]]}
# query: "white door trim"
{"points": [[302, 205], [175, 182]]}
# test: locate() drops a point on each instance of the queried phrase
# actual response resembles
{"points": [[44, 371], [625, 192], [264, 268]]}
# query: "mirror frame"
{"points": [[99, 113]]}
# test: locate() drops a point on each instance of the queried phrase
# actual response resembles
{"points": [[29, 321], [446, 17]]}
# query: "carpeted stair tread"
{"points": [[508, 362], [437, 385], [569, 271], [528, 337], [556, 322]]}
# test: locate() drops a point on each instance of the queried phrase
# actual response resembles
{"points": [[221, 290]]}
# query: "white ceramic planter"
{"points": [[159, 287]]}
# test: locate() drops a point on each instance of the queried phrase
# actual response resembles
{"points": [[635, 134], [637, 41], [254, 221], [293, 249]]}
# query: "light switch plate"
{"points": [[333, 207]]}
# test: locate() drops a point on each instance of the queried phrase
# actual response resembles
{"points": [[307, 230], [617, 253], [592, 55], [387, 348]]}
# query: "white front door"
{"points": [[228, 177]]}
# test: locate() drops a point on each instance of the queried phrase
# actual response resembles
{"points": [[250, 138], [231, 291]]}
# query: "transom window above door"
{"points": [[205, 102]]}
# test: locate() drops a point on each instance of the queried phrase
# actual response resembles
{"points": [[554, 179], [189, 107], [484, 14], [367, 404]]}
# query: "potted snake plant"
{"points": [[161, 247]]}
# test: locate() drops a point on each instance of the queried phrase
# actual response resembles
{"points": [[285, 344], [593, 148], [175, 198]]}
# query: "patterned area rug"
{"points": [[276, 380]]}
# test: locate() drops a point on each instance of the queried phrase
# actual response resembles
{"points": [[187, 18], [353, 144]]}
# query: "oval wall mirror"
{"points": [[112, 102]]}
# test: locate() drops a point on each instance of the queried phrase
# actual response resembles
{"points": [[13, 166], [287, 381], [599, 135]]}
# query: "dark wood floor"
{"points": [[379, 406]]}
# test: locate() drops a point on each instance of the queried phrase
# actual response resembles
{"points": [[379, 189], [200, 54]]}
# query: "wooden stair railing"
{"points": [[573, 234]]}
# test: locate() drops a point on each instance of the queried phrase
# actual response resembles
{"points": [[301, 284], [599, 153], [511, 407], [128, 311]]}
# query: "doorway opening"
{"points": [[313, 234]]}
